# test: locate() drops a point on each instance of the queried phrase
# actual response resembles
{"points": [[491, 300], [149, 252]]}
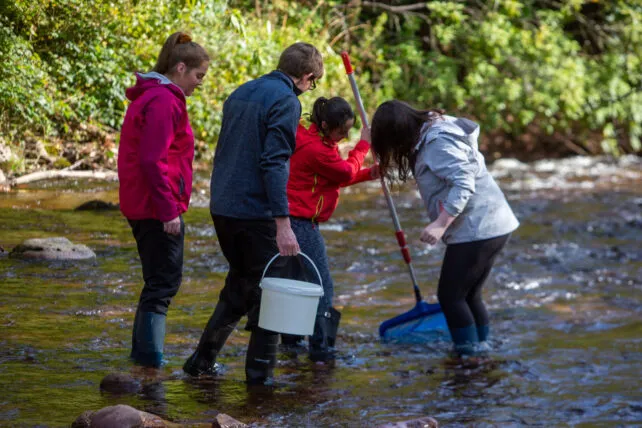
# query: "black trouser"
{"points": [[463, 273], [248, 245], [161, 255]]}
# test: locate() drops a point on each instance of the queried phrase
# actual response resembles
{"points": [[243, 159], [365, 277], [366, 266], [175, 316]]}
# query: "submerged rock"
{"points": [[426, 422], [52, 249], [120, 383], [97, 205]]}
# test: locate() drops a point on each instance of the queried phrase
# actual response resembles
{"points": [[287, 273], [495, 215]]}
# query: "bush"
{"points": [[513, 65]]}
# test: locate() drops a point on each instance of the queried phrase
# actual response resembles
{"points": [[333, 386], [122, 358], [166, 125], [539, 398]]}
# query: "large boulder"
{"points": [[121, 416], [52, 249]]}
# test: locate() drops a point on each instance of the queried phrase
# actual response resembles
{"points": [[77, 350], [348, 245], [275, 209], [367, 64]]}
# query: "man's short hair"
{"points": [[300, 59]]}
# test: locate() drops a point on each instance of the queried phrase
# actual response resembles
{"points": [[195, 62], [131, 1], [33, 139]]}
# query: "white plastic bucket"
{"points": [[287, 305]]}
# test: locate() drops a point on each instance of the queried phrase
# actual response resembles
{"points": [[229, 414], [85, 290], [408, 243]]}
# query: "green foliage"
{"points": [[511, 64]]}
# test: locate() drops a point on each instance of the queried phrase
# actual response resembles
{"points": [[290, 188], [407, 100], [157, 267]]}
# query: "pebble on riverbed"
{"points": [[425, 422]]}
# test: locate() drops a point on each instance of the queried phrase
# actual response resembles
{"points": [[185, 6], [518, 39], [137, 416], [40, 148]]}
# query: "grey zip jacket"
{"points": [[451, 174]]}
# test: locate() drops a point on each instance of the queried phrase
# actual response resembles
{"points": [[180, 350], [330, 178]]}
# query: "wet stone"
{"points": [[52, 249], [97, 205], [120, 383], [425, 422], [121, 416], [226, 421]]}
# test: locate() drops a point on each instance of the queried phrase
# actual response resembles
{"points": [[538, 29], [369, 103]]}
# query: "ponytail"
{"points": [[179, 47], [335, 112]]}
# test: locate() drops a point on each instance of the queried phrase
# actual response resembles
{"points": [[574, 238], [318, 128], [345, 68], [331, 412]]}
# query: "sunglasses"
{"points": [[313, 83]]}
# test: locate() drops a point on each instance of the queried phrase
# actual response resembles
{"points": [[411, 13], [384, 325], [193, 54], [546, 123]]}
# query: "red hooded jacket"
{"points": [[155, 153], [317, 172]]}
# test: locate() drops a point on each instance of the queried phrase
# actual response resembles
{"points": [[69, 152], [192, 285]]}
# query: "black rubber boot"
{"points": [[324, 337], [291, 340], [218, 329], [261, 357]]}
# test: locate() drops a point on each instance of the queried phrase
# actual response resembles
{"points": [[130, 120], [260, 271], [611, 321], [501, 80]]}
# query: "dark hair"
{"points": [[395, 131], [335, 112], [179, 47], [300, 59]]}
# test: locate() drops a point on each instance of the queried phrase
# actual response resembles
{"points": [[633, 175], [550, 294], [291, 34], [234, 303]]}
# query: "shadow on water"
{"points": [[565, 303]]}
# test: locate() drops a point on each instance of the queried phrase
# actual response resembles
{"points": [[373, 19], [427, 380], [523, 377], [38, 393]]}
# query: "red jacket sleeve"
{"points": [[157, 135], [330, 165], [361, 176]]}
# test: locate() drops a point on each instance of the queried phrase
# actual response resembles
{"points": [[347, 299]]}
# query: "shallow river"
{"points": [[565, 301]]}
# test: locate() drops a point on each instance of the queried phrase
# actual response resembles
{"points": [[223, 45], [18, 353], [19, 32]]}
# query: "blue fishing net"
{"points": [[424, 323]]}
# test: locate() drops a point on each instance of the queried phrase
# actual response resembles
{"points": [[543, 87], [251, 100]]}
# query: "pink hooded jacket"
{"points": [[156, 151]]}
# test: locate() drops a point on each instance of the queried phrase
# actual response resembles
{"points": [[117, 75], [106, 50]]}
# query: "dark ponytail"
{"points": [[335, 112], [179, 47], [396, 128]]}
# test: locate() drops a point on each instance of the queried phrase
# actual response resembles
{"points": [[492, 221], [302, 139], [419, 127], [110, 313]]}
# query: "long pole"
{"points": [[401, 237]]}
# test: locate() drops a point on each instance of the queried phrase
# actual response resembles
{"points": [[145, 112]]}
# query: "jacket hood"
{"points": [[454, 127], [146, 81], [313, 134]]}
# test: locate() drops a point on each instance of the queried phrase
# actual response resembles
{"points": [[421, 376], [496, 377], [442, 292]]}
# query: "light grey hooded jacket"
{"points": [[451, 174]]}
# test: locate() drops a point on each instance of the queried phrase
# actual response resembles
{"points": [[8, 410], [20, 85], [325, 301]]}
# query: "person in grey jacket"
{"points": [[249, 203], [467, 209]]}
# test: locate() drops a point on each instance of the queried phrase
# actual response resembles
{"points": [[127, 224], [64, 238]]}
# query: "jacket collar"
{"points": [[279, 75]]}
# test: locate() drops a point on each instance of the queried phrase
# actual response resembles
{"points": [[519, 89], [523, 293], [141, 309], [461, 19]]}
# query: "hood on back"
{"points": [[312, 135], [457, 127], [145, 81]]}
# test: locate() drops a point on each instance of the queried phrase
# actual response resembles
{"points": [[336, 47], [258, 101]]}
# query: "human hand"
{"points": [[285, 238], [375, 172], [365, 133], [172, 227], [432, 233]]}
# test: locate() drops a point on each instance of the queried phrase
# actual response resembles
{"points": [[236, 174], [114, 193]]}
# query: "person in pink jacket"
{"points": [[155, 172]]}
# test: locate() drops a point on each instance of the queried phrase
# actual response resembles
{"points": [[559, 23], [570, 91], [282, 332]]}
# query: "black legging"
{"points": [[463, 273]]}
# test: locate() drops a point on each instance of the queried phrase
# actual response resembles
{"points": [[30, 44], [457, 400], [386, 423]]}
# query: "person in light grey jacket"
{"points": [[467, 209]]}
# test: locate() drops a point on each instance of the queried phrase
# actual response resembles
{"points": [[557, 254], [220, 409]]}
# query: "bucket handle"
{"points": [[300, 254]]}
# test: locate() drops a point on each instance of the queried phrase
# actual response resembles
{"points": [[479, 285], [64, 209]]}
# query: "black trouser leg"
{"points": [[247, 246], [219, 327], [464, 271], [161, 256]]}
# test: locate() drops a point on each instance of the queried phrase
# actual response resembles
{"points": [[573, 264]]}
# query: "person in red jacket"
{"points": [[155, 172], [317, 172]]}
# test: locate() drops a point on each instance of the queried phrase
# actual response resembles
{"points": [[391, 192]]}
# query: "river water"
{"points": [[565, 301]]}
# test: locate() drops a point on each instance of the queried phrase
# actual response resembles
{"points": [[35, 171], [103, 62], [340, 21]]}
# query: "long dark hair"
{"points": [[179, 47], [335, 112], [395, 131]]}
